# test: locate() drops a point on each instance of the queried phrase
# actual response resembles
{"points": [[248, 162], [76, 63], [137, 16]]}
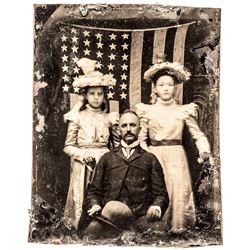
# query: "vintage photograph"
{"points": [[126, 136]]}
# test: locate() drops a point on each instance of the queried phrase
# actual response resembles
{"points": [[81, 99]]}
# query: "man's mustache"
{"points": [[129, 134]]}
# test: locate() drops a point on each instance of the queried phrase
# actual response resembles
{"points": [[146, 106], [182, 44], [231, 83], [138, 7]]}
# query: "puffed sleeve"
{"points": [[71, 147], [70, 116], [141, 111], [114, 128], [75, 110], [201, 140]]}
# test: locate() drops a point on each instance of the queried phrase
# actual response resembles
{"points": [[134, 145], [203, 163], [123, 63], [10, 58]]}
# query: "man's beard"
{"points": [[131, 139]]}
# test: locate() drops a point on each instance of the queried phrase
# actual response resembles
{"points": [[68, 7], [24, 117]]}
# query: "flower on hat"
{"points": [[87, 65], [109, 80], [174, 69], [92, 77]]}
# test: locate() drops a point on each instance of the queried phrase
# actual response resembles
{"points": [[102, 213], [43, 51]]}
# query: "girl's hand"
{"points": [[204, 156], [89, 159]]}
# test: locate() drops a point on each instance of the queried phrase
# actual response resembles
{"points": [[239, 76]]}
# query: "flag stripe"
{"points": [[147, 54], [179, 44], [135, 68], [159, 43], [159, 46], [113, 106], [178, 56], [169, 45]]}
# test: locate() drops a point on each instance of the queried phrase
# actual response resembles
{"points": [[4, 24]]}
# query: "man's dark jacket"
{"points": [[137, 181]]}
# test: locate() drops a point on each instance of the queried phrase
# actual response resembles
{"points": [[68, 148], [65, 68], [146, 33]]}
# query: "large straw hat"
{"points": [[174, 69]]}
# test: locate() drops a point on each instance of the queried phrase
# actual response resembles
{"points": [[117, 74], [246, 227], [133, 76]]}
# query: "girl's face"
{"points": [[95, 96], [165, 87]]}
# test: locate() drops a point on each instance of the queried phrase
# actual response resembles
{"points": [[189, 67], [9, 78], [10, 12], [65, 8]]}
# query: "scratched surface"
{"points": [[51, 166]]}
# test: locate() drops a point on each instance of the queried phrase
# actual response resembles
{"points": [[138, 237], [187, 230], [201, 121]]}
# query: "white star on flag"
{"points": [[110, 95], [112, 46], [76, 69], [125, 36], [98, 65], [75, 78], [99, 54], [86, 52], [124, 57], [112, 36], [64, 38], [65, 78], [112, 56], [111, 87], [86, 33], [76, 89], [125, 46], [123, 95], [99, 45], [75, 59], [65, 88], [123, 85], [74, 39], [65, 68], [64, 47], [124, 76], [86, 42], [124, 67], [111, 66], [74, 49], [98, 36], [73, 30], [65, 58]]}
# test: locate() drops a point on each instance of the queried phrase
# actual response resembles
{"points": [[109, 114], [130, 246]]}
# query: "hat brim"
{"points": [[84, 81], [174, 69]]}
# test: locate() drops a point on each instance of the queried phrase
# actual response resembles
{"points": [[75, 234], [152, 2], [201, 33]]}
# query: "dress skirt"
{"points": [[181, 211], [79, 178]]}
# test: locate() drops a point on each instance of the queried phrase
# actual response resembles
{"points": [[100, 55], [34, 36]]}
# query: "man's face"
{"points": [[129, 127]]}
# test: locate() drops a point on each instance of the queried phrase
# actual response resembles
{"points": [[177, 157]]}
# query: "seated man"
{"points": [[128, 185]]}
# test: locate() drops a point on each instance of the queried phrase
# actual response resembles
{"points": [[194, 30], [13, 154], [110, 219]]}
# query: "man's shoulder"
{"points": [[111, 152]]}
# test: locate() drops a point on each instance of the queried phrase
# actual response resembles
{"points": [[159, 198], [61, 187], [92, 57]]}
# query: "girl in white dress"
{"points": [[88, 135], [162, 125]]}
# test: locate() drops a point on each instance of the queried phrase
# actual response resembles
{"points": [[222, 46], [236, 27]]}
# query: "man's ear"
{"points": [[140, 127]]}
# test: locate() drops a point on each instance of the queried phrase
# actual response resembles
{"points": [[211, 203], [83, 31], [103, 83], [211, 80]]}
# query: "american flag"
{"points": [[123, 53]]}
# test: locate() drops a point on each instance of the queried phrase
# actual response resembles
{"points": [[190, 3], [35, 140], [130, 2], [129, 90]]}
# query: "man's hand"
{"points": [[95, 209], [154, 213]]}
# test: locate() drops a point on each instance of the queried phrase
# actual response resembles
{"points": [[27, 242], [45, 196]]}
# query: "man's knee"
{"points": [[142, 224], [94, 229], [117, 213]]}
